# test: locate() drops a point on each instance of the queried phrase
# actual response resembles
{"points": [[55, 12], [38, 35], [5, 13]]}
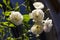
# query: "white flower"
{"points": [[38, 5], [37, 29], [37, 15], [16, 17], [47, 25]]}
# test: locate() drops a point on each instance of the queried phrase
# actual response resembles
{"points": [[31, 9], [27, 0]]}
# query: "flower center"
{"points": [[37, 27], [16, 18]]}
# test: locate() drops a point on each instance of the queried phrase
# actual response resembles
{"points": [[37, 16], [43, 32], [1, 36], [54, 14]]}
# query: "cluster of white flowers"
{"points": [[38, 29], [38, 15], [16, 17]]}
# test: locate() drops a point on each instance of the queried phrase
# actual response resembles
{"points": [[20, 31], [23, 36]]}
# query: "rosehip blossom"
{"points": [[47, 25], [16, 17], [38, 5], [37, 15]]}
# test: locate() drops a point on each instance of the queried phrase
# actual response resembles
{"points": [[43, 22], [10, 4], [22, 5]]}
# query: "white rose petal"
{"points": [[37, 15], [37, 29], [48, 25], [38, 5], [16, 17], [31, 16]]}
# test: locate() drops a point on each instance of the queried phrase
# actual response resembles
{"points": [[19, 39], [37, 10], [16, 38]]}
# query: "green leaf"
{"points": [[4, 1], [12, 39], [8, 2], [26, 17], [5, 23], [8, 6], [26, 20], [8, 19], [27, 6], [7, 13], [11, 25], [26, 38], [28, 9], [9, 38], [1, 28], [16, 7], [1, 5]]}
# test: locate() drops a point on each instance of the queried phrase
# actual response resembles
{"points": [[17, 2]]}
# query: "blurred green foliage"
{"points": [[26, 17], [0, 5], [8, 24], [6, 13], [7, 3]]}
